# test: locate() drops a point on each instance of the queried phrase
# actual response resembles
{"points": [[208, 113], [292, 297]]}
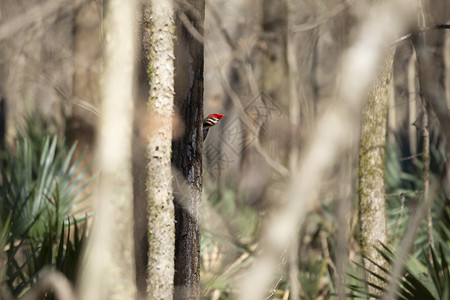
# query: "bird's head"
{"points": [[212, 119]]}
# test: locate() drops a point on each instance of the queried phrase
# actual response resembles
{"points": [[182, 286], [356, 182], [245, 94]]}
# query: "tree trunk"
{"points": [[187, 151], [159, 185], [372, 214], [109, 270]]}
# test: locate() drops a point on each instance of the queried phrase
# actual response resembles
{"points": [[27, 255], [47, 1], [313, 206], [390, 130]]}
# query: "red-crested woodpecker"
{"points": [[209, 122]]}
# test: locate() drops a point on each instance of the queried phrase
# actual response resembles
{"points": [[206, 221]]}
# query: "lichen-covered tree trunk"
{"points": [[187, 150], [161, 224], [109, 271], [372, 202]]}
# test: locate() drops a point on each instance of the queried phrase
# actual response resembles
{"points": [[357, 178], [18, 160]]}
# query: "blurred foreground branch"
{"points": [[108, 270]]}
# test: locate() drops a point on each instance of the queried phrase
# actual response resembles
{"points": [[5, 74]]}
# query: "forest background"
{"points": [[326, 178]]}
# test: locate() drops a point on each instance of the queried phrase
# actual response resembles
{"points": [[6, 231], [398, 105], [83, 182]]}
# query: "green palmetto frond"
{"points": [[41, 186], [48, 185], [413, 285]]}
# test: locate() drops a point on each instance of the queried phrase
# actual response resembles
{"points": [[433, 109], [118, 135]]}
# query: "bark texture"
{"points": [[109, 272], [161, 224], [372, 214], [187, 151]]}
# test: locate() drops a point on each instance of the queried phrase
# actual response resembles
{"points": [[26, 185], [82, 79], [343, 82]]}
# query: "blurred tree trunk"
{"points": [[161, 223], [109, 271], [372, 202], [187, 151]]}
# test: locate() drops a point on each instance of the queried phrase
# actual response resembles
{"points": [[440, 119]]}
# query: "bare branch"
{"points": [[189, 27]]}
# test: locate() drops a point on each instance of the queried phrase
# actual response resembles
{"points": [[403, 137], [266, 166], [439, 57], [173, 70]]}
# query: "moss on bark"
{"points": [[372, 202]]}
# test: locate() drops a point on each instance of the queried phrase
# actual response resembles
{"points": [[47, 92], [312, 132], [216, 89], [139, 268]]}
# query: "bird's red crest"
{"points": [[217, 116]]}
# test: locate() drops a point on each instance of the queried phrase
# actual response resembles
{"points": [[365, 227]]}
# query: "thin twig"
{"points": [[411, 156], [420, 30], [72, 100], [274, 289], [238, 261], [402, 193], [426, 151], [426, 174], [190, 28], [282, 263]]}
